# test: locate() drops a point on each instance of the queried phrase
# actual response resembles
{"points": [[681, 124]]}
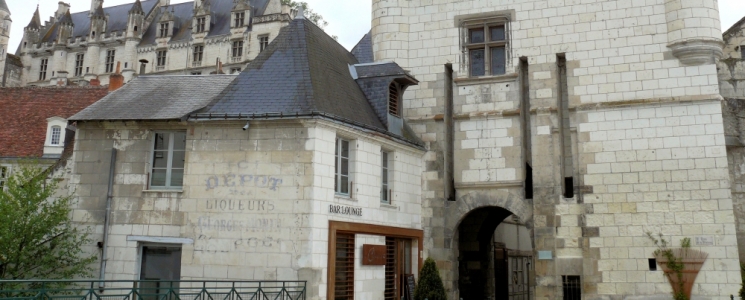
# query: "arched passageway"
{"points": [[484, 270]]}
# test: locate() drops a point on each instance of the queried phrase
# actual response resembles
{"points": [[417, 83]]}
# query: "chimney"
{"points": [[116, 80], [95, 81], [62, 78], [62, 8], [219, 68]]}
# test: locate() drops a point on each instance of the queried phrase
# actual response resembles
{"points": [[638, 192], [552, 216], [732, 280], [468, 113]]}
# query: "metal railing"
{"points": [[152, 290]]}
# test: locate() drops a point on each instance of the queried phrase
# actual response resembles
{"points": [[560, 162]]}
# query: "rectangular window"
{"points": [[201, 24], [169, 156], [110, 55], [237, 48], [572, 287], [79, 58], [486, 43], [342, 167], [263, 42], [162, 264], [235, 70], [385, 190], [4, 174], [161, 58], [43, 69], [164, 30], [196, 73], [198, 53], [344, 261], [56, 133], [240, 19]]}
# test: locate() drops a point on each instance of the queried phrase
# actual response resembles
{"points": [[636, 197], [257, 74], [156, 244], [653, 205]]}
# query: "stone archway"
{"points": [[474, 217]]}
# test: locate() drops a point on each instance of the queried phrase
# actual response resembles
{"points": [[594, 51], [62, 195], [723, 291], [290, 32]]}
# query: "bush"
{"points": [[742, 285], [430, 285]]}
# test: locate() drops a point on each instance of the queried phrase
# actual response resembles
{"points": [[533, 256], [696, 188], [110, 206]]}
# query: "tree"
{"points": [[37, 237], [430, 285], [309, 14]]}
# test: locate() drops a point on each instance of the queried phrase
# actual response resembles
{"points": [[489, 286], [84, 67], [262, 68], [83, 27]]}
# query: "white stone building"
{"points": [[593, 122], [221, 178], [147, 37]]}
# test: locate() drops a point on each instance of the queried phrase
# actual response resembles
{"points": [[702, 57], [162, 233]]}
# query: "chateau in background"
{"points": [[147, 37]]}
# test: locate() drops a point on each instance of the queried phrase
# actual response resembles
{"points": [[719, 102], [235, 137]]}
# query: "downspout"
{"points": [[107, 219], [449, 135]]}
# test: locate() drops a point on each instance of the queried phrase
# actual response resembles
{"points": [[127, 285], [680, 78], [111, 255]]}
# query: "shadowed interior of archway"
{"points": [[475, 245]]}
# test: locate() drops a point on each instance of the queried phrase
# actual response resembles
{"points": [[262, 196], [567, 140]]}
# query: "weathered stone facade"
{"points": [[608, 113], [255, 203], [130, 34]]}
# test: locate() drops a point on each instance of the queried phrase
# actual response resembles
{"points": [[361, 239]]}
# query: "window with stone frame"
{"points": [[240, 19], [43, 69], [486, 46], [4, 175], [79, 59], [237, 49], [110, 56], [198, 53], [161, 58], [385, 176], [164, 29], [201, 24], [168, 159], [342, 184], [263, 42]]}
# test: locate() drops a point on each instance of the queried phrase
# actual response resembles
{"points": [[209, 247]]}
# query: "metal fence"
{"points": [[151, 290]]}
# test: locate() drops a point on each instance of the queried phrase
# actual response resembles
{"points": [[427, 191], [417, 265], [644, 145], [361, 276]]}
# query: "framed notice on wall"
{"points": [[410, 283]]}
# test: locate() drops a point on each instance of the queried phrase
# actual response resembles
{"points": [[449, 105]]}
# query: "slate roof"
{"points": [[25, 112], [156, 98], [118, 15], [363, 51], [303, 71], [381, 69]]}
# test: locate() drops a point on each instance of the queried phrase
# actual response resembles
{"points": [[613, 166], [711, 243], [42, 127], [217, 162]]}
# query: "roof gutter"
{"points": [[312, 115]]}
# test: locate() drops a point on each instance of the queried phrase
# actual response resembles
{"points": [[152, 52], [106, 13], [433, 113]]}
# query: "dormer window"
{"points": [[164, 30], [394, 97], [201, 24], [240, 19], [55, 136], [56, 133]]}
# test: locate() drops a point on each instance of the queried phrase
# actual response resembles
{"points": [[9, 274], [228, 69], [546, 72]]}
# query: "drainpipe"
{"points": [[107, 219]]}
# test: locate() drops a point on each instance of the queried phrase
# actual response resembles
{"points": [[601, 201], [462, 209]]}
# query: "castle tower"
{"points": [[390, 37], [97, 30], [5, 23], [135, 28], [694, 31]]}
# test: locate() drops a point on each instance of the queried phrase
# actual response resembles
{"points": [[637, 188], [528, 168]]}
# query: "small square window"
{"points": [[168, 160], [487, 46], [653, 264]]}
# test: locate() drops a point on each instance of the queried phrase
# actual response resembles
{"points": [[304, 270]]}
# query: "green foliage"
{"points": [[314, 17], [37, 237], [430, 285], [673, 263]]}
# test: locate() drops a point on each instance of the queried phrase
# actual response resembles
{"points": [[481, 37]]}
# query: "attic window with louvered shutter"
{"points": [[394, 96]]}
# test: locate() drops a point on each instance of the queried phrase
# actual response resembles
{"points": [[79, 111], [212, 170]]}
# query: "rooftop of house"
{"points": [[302, 73], [363, 51], [157, 98], [26, 110]]}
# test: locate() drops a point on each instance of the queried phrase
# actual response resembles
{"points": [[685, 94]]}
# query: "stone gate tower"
{"points": [[592, 122]]}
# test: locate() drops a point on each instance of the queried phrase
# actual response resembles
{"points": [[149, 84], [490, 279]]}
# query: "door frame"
{"points": [[359, 228]]}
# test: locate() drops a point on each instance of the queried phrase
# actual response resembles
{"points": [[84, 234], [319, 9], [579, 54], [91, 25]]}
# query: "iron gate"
{"points": [[520, 266]]}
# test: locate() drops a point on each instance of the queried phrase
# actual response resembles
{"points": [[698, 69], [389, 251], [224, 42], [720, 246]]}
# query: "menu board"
{"points": [[410, 285]]}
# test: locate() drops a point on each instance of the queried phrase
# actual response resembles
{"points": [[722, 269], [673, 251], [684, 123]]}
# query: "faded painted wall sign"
{"points": [[704, 241], [239, 205], [244, 225], [242, 180], [345, 210]]}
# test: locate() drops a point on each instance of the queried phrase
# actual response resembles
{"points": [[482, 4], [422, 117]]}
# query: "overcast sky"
{"points": [[348, 19]]}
